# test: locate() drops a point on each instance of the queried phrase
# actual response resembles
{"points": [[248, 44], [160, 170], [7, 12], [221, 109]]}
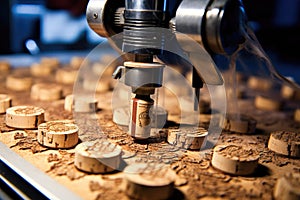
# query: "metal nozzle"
{"points": [[104, 16], [218, 25], [225, 21]]}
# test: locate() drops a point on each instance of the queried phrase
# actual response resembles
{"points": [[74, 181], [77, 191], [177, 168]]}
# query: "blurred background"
{"points": [[32, 27], [50, 24]]}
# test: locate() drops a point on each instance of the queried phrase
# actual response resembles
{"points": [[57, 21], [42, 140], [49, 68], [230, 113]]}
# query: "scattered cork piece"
{"points": [[52, 157], [285, 142]]}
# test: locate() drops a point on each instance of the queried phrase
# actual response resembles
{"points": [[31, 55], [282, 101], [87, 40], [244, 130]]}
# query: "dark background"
{"points": [[276, 24]]}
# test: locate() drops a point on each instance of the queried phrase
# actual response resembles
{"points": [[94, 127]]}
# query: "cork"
{"points": [[149, 181], [5, 66], [66, 75], [259, 83], [285, 142], [267, 103], [18, 82], [46, 91], [24, 117], [159, 117], [53, 62], [69, 101], [76, 62], [58, 134], [121, 116], [97, 156], [239, 123], [287, 187], [297, 115], [41, 69], [188, 138], [5, 102], [84, 104], [235, 159]]}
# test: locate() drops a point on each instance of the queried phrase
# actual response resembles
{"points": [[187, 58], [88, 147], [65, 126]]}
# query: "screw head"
{"points": [[95, 15]]}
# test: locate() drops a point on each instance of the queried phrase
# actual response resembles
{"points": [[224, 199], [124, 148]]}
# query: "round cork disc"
{"points": [[188, 138], [285, 142], [149, 181], [66, 75], [84, 104], [234, 159], [121, 116], [97, 156], [24, 117], [143, 65], [100, 86], [4, 66], [267, 103], [41, 69], [239, 123], [18, 82], [69, 101], [159, 117], [46, 92], [259, 83], [76, 62], [58, 134], [297, 115], [288, 187], [50, 61], [5, 102]]}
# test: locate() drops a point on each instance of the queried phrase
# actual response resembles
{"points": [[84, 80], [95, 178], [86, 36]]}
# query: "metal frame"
{"points": [[21, 180]]}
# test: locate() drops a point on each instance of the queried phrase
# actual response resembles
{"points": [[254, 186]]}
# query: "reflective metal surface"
{"points": [[26, 181]]}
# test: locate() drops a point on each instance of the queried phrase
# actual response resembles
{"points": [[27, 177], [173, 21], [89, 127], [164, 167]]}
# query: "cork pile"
{"points": [[255, 157]]}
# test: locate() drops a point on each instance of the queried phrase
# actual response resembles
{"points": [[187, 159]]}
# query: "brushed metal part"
{"points": [[33, 176], [101, 14]]}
